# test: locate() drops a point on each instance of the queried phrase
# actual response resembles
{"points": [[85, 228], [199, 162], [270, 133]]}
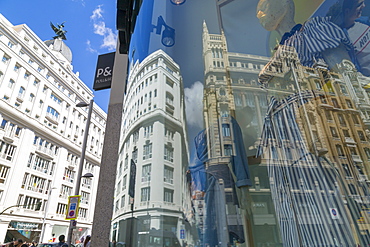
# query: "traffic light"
{"points": [[38, 206]]}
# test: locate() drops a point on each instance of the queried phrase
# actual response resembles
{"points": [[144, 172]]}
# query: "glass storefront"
{"points": [[247, 123]]}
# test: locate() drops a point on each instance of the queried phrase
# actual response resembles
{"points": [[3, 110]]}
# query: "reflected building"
{"points": [[232, 95], [153, 137], [330, 122], [332, 151]]}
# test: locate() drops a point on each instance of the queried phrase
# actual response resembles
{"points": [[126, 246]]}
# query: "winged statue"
{"points": [[60, 33]]}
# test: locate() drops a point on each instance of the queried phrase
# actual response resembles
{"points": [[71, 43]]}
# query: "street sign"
{"points": [[334, 213], [72, 207], [182, 234], [104, 71]]}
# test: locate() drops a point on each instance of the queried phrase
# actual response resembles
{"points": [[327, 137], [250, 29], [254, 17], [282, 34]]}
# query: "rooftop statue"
{"points": [[60, 33]]}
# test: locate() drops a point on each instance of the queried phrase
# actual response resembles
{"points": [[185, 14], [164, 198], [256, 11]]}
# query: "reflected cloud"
{"points": [[194, 105]]}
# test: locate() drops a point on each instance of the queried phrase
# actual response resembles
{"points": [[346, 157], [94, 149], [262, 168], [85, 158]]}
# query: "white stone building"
{"points": [[154, 137], [41, 134]]}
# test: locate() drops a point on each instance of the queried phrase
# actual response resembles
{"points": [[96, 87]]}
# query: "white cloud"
{"points": [[99, 28], [110, 40], [97, 13], [89, 48], [109, 37], [194, 104]]}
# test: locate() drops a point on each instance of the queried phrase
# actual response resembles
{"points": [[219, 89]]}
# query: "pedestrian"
{"points": [[62, 241], [87, 241]]}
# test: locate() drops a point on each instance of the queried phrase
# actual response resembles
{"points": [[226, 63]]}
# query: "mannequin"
{"points": [[276, 15]]}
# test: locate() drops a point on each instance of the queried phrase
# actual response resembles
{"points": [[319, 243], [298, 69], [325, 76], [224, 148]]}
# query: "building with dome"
{"points": [[41, 135]]}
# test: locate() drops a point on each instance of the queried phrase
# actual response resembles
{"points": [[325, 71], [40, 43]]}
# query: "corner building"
{"points": [[154, 138], [41, 134]]}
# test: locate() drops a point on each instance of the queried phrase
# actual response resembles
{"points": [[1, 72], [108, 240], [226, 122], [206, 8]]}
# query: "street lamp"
{"points": [[82, 159], [45, 213]]}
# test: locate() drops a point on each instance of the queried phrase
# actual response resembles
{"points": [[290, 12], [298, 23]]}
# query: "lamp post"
{"points": [[82, 159], [45, 213]]}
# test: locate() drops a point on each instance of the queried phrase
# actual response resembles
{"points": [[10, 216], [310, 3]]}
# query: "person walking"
{"points": [[87, 241], [62, 241]]}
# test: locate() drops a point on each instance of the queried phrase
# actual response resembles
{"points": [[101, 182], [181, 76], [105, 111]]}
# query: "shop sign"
{"points": [[24, 225]]}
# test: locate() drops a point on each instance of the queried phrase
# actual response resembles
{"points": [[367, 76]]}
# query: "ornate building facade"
{"points": [[41, 134]]}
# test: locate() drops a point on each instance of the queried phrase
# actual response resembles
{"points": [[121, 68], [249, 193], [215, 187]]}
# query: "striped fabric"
{"points": [[303, 187], [317, 35]]}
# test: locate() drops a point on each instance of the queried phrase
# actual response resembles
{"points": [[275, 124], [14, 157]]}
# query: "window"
{"points": [[168, 153], [41, 103], [34, 183], [148, 131], [68, 175], [134, 155], [226, 129], [147, 151], [85, 196], [11, 83], [318, 85], [168, 174], [341, 119], [228, 149], [31, 97], [7, 151], [65, 191], [361, 135], [335, 103], [36, 82], [21, 91], [29, 202], [124, 182], [333, 132], [168, 195], [355, 119], [146, 171], [349, 104], [4, 172], [126, 163], [16, 67], [3, 124], [5, 58], [52, 112], [145, 194], [61, 209], [339, 150], [27, 75], [135, 136], [55, 98], [346, 170], [123, 201], [343, 89]]}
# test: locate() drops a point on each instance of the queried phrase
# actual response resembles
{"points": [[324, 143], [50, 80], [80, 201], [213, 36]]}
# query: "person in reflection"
{"points": [[87, 241], [357, 28]]}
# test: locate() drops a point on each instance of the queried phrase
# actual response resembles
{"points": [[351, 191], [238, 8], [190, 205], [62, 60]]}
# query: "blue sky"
{"points": [[90, 25]]}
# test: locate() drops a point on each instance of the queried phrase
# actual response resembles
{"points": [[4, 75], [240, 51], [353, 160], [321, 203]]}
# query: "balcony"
{"points": [[45, 152], [52, 118], [9, 135], [362, 178], [349, 140], [71, 164], [356, 158]]}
